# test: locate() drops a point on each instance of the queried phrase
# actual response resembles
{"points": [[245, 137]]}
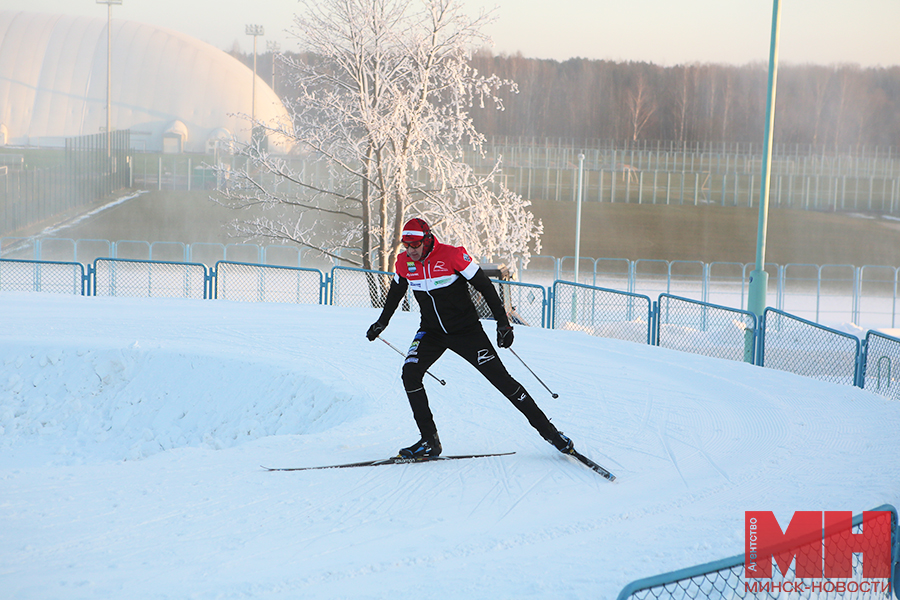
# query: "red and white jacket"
{"points": [[439, 285]]}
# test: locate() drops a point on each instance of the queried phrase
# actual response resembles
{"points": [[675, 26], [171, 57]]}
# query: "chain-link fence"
{"points": [[781, 340], [149, 279], [525, 303], [717, 331], [793, 344], [362, 287], [37, 276], [601, 312], [826, 294], [881, 370], [727, 579], [246, 282]]}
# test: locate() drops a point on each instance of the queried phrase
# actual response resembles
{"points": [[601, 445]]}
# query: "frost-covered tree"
{"points": [[382, 100]]}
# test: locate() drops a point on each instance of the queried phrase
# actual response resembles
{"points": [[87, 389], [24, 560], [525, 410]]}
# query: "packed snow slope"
{"points": [[132, 433]]}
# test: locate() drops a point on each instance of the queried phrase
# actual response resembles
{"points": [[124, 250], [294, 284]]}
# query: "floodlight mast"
{"points": [[109, 5], [255, 31], [274, 48]]}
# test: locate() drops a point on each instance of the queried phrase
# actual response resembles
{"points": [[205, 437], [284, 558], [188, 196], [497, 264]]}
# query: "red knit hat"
{"points": [[415, 232]]}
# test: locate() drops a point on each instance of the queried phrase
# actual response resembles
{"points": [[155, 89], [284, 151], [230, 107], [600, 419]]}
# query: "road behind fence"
{"points": [[88, 172]]}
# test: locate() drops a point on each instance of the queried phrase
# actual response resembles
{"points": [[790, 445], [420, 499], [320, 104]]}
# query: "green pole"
{"points": [[759, 279]]}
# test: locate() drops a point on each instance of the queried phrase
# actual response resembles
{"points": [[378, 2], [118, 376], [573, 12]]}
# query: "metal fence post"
{"points": [[327, 294], [761, 339], [861, 360], [551, 302], [212, 275], [86, 285]]}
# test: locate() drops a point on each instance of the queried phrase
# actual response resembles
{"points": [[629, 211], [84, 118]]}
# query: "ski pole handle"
{"points": [[401, 353], [533, 373]]}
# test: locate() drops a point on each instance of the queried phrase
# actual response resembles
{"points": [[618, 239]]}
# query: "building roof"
{"points": [[53, 83]]}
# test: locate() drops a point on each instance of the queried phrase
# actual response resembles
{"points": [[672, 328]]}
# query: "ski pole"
{"points": [[533, 373], [401, 353]]}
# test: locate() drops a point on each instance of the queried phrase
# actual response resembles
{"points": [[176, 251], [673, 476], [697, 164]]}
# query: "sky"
{"points": [[664, 32]]}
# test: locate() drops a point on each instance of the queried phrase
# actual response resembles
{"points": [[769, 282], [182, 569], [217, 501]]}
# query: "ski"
{"points": [[592, 465], [394, 460]]}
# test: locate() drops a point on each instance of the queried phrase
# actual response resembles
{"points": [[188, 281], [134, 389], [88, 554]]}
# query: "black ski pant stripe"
{"points": [[475, 348]]}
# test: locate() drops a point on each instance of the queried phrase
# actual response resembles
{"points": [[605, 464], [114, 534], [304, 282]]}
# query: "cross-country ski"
{"points": [[394, 460], [592, 465]]}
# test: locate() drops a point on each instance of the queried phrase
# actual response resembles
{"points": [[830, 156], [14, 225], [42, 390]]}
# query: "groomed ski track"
{"points": [[132, 430]]}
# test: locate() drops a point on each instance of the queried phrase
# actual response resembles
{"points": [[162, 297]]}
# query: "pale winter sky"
{"points": [[664, 32]]}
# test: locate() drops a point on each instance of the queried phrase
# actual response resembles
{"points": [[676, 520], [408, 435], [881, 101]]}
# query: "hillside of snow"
{"points": [[132, 433]]}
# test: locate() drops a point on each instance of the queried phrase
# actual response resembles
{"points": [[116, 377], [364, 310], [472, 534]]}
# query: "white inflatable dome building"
{"points": [[175, 93]]}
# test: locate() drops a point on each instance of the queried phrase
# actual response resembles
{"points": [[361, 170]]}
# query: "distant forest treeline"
{"points": [[826, 107]]}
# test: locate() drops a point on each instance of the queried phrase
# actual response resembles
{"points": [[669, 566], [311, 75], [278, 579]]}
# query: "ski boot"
{"points": [[561, 442], [427, 446]]}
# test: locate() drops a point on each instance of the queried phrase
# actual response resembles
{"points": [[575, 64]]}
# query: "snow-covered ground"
{"points": [[132, 433]]}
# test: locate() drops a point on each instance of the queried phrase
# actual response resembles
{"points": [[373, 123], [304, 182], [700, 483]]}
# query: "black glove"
{"points": [[504, 336], [374, 330]]}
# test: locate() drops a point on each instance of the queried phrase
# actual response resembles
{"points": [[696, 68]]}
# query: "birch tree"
{"points": [[640, 105], [381, 106]]}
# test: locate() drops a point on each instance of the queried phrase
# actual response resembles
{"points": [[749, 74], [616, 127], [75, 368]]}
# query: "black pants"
{"points": [[475, 347]]}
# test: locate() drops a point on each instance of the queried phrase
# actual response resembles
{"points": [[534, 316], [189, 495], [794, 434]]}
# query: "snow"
{"points": [[132, 433]]}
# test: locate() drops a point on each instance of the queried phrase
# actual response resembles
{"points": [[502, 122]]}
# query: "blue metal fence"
{"points": [[602, 312], [778, 340], [359, 287], [526, 303], [866, 295], [36, 276], [793, 344], [149, 279], [826, 294], [702, 328], [248, 282], [880, 370]]}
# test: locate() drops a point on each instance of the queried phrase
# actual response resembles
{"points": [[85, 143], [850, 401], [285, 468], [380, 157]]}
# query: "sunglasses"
{"points": [[412, 244]]}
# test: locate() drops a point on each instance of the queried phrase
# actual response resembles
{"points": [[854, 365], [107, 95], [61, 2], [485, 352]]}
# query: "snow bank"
{"points": [[131, 403], [133, 430]]}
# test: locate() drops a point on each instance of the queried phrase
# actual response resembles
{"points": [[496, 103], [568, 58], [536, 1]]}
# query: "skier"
{"points": [[438, 274]]}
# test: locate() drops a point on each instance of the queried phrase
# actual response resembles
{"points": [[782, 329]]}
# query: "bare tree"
{"points": [[845, 85], [727, 101], [641, 106], [382, 101], [682, 91]]}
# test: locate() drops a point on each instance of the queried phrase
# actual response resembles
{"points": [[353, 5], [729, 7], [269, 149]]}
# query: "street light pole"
{"points": [[255, 31], [109, 5], [759, 279]]}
